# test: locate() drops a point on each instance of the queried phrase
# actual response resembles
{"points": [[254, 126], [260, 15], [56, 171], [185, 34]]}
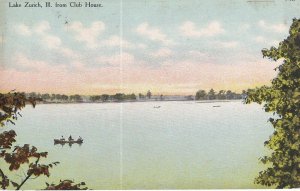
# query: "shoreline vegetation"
{"points": [[201, 96], [140, 101]]}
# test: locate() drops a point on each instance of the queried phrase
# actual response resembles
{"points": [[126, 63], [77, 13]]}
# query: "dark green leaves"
{"points": [[282, 98]]}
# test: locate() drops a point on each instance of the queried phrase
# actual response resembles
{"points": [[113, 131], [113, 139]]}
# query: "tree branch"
{"points": [[28, 176], [3, 179]]}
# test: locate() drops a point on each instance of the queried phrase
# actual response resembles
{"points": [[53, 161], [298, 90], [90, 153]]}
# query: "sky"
{"points": [[170, 47]]}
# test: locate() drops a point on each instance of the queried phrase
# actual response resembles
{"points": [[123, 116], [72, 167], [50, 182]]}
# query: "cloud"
{"points": [[195, 53], [36, 77], [153, 33], [67, 52], [237, 76], [141, 46], [41, 31], [23, 30], [279, 28], [116, 60], [260, 39], [228, 44], [162, 52], [198, 56], [87, 35], [168, 78], [189, 29], [52, 41], [274, 43], [23, 61], [42, 27], [244, 27], [90, 36], [116, 41], [265, 41]]}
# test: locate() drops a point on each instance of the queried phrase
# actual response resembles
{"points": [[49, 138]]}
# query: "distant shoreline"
{"points": [[196, 101]]}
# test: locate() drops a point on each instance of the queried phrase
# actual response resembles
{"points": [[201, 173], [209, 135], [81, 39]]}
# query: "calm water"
{"points": [[135, 146]]}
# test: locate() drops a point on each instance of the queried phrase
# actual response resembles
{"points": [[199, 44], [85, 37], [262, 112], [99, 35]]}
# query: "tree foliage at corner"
{"points": [[282, 98], [17, 156]]}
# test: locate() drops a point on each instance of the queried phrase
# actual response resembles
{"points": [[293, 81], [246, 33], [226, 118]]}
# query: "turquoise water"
{"points": [[136, 146]]}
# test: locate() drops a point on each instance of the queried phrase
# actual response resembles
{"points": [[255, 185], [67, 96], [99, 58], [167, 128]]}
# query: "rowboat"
{"points": [[59, 141]]}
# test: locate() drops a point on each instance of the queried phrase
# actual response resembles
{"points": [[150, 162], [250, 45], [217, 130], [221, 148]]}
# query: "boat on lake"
{"points": [[61, 141]]}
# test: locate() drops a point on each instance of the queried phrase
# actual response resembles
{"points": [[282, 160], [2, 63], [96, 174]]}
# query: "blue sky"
{"points": [[170, 47]]}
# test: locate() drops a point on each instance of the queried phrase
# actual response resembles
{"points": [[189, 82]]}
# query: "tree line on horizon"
{"points": [[221, 95], [200, 95], [92, 98]]}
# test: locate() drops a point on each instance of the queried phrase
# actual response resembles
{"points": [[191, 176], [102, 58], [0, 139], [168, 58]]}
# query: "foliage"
{"points": [[221, 95], [95, 98], [122, 97], [66, 185], [149, 94], [200, 95], [76, 98], [211, 94], [15, 157], [141, 96], [10, 104], [130, 96], [104, 97], [283, 99], [161, 97]]}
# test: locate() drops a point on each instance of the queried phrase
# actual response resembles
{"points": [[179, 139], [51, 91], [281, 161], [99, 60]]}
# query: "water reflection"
{"points": [[65, 143]]}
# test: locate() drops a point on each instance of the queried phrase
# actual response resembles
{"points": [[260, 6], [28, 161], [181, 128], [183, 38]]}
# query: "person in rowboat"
{"points": [[70, 138]]}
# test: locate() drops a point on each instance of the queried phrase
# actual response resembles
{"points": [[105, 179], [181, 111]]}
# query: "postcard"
{"points": [[149, 94]]}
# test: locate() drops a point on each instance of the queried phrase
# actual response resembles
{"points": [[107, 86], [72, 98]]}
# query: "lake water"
{"points": [[136, 146]]}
